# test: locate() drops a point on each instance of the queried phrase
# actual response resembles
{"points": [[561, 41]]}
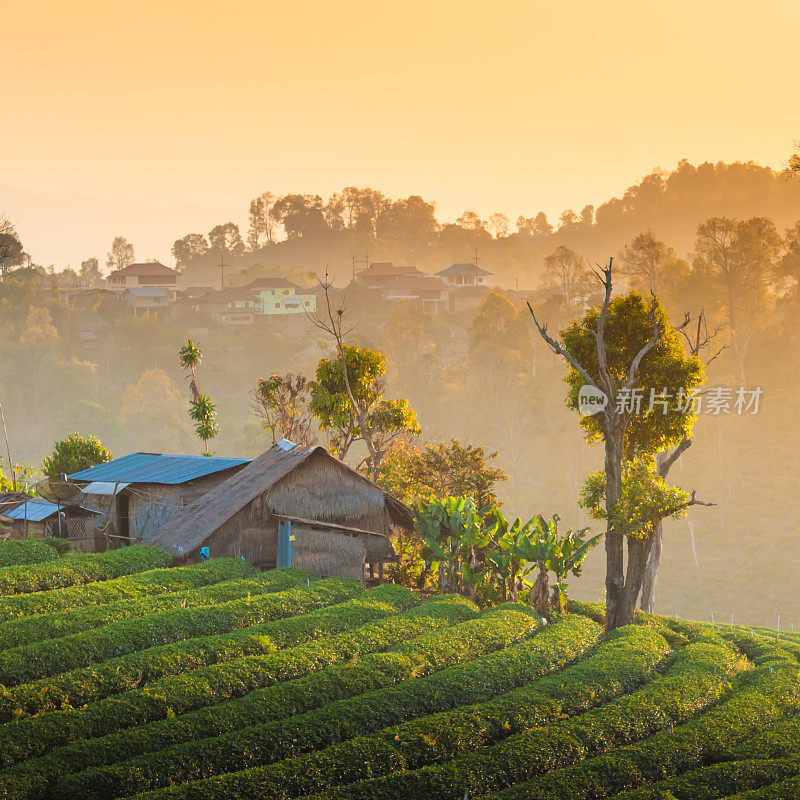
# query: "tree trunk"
{"points": [[615, 566], [648, 598], [638, 555], [539, 594]]}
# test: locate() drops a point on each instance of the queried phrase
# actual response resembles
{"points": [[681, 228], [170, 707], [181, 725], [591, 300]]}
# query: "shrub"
{"points": [[61, 546], [150, 582], [51, 656], [180, 693], [779, 740], [77, 569], [229, 581], [31, 779], [762, 697], [711, 782], [339, 721], [698, 676], [625, 661], [26, 551], [85, 685]]}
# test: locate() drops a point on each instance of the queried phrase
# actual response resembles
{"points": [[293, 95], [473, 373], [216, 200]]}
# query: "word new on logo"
{"points": [[591, 400]]}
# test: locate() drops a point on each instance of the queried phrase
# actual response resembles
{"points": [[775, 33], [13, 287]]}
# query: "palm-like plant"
{"points": [[202, 411], [190, 357]]}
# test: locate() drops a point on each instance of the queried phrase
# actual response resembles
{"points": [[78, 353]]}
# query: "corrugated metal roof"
{"points": [[34, 510], [157, 468], [105, 487]]}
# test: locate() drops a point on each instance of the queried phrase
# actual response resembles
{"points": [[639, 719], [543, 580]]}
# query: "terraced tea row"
{"points": [[213, 681]]}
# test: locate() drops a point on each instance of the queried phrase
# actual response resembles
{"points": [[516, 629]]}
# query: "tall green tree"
{"points": [[73, 454], [628, 351], [441, 469], [347, 396]]}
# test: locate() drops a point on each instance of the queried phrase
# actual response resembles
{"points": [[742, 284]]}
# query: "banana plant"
{"points": [[452, 535], [568, 557], [507, 563]]}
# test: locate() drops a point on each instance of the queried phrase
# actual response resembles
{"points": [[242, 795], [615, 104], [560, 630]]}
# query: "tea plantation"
{"points": [[122, 677]]}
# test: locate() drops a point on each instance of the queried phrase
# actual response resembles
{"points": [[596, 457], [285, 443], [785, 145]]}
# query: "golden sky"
{"points": [[498, 106]]}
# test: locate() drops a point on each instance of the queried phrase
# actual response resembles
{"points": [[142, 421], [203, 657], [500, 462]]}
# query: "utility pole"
{"points": [[475, 261], [222, 268]]}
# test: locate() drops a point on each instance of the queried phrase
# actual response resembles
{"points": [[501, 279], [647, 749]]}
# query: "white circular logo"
{"points": [[591, 400]]}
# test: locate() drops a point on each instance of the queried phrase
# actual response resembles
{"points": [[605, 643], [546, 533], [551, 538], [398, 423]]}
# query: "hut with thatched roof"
{"points": [[291, 506]]}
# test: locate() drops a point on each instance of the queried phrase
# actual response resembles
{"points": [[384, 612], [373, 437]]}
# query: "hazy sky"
{"points": [[182, 111]]}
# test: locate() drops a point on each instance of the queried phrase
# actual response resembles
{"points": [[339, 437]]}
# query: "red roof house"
{"points": [[382, 273], [150, 273]]}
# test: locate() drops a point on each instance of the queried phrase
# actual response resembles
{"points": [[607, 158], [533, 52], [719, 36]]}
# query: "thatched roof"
{"points": [[199, 520]]}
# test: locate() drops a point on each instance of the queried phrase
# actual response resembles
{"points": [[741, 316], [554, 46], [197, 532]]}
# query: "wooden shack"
{"points": [[22, 516], [138, 493], [292, 506]]}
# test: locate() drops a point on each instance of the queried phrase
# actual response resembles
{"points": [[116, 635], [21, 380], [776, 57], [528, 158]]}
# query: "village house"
{"points": [[380, 274], [148, 301], [468, 274], [430, 292], [136, 494], [231, 306], [22, 516], [280, 297], [151, 273], [292, 506]]}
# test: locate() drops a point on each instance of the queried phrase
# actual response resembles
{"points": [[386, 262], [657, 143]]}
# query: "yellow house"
{"points": [[279, 296]]}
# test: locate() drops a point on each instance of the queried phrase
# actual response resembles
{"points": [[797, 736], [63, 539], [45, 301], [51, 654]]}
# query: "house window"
{"points": [[286, 291], [277, 305]]}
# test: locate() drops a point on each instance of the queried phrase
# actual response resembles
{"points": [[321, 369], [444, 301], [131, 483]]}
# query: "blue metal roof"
{"points": [[157, 468], [34, 510]]}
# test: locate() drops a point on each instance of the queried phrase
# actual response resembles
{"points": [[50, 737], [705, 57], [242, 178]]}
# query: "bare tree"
{"points": [[10, 247], [646, 260], [281, 402], [120, 255], [566, 270], [697, 340], [333, 322], [794, 162]]}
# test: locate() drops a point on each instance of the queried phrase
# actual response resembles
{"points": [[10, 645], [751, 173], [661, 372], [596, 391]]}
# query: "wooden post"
{"points": [[284, 556]]}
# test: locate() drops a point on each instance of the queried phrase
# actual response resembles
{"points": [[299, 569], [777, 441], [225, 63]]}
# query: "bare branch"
{"points": [[665, 461], [693, 501], [556, 347], [602, 360]]}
